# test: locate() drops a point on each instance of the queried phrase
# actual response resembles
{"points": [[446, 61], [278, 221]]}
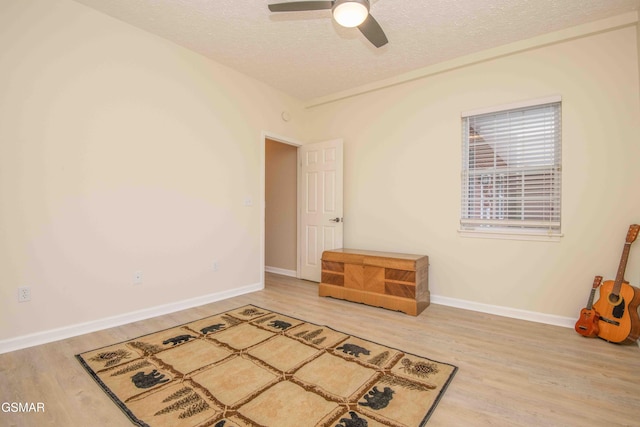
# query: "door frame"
{"points": [[263, 203]]}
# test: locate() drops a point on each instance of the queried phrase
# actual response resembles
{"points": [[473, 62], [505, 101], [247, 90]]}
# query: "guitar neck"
{"points": [[621, 269], [596, 282], [591, 296]]}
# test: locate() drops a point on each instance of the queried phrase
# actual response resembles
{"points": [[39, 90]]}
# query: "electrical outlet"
{"points": [[215, 266], [137, 277], [24, 294]]}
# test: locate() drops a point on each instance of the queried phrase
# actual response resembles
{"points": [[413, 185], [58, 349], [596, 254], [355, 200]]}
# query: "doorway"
{"points": [[281, 204], [308, 186]]}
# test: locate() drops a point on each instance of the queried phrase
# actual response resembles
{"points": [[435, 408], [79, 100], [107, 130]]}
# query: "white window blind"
{"points": [[511, 171]]}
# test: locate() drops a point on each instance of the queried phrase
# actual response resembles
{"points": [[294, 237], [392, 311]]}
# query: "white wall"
{"points": [[403, 164], [119, 152]]}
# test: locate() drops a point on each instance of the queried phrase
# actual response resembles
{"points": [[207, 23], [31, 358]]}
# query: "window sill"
{"points": [[511, 235]]}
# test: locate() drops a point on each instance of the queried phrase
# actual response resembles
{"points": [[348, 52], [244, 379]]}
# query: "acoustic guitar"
{"points": [[618, 303], [587, 324]]}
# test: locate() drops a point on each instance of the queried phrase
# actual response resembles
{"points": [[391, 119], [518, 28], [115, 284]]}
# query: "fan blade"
{"points": [[373, 31], [298, 6]]}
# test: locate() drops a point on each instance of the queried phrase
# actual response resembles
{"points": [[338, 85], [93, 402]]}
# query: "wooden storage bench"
{"points": [[382, 279]]}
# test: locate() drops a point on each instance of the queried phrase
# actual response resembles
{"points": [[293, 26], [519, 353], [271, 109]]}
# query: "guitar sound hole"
{"points": [[618, 310]]}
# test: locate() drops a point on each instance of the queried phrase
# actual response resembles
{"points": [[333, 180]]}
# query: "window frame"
{"points": [[546, 176]]}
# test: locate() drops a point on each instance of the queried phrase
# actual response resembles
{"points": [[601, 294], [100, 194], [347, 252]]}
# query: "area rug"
{"points": [[252, 367]]}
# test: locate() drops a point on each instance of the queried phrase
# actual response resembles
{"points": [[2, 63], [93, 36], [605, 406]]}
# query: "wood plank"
{"points": [[400, 290], [337, 267], [354, 276], [389, 262], [374, 279], [339, 256], [400, 275], [377, 258], [340, 253], [332, 278]]}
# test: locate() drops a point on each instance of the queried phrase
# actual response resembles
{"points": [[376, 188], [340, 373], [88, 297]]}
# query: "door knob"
{"points": [[336, 219]]}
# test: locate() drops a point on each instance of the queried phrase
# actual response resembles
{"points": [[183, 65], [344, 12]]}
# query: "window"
{"points": [[511, 170]]}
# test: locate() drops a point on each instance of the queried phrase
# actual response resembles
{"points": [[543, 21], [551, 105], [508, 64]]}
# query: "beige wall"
{"points": [[403, 164], [119, 152], [122, 152], [281, 205]]}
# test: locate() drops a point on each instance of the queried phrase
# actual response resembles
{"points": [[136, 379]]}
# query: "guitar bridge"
{"points": [[612, 322]]}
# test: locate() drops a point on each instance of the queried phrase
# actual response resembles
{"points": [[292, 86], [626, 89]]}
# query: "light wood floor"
{"points": [[511, 372]]}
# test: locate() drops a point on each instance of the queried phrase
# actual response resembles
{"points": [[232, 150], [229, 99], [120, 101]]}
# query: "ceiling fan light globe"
{"points": [[350, 13]]}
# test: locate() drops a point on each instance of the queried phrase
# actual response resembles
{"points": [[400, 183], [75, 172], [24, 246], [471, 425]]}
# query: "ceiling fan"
{"points": [[348, 13]]}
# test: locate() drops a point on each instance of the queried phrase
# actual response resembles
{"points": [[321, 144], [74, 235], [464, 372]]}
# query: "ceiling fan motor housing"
{"points": [[350, 13]]}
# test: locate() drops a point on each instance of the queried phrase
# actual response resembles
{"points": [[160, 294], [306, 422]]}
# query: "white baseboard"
{"points": [[515, 313], [533, 316], [51, 335], [282, 271]]}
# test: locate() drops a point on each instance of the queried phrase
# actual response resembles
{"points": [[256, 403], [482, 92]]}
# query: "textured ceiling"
{"points": [[307, 55]]}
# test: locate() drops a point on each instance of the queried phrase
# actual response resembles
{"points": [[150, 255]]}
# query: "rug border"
{"points": [[141, 423], [108, 391]]}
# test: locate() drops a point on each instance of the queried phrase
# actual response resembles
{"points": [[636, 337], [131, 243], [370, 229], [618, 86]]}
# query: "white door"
{"points": [[320, 202]]}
